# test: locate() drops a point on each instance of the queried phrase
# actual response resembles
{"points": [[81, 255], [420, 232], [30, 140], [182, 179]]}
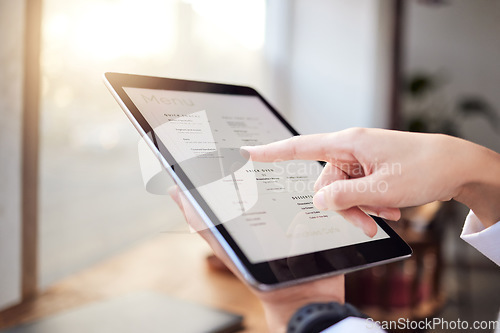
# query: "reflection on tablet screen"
{"points": [[266, 207]]}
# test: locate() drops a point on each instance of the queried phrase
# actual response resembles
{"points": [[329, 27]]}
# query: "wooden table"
{"points": [[173, 264]]}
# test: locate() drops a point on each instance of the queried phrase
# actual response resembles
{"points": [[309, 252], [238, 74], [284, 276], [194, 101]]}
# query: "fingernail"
{"points": [[385, 215], [317, 186], [319, 200], [368, 232], [172, 189], [370, 229], [245, 152]]}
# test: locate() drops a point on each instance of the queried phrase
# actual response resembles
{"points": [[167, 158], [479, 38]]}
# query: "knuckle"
{"points": [[293, 143], [334, 198], [357, 131]]}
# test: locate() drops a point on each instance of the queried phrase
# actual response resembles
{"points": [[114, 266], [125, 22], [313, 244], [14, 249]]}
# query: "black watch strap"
{"points": [[316, 317]]}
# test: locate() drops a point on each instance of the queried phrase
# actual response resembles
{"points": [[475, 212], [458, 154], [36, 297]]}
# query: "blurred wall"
{"points": [[333, 57], [11, 35], [459, 39]]}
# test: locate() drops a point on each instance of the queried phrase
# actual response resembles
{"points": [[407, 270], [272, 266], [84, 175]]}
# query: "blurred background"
{"points": [[428, 66]]}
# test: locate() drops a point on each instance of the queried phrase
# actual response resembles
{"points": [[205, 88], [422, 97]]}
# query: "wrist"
{"points": [[480, 188], [279, 315], [317, 317], [280, 305]]}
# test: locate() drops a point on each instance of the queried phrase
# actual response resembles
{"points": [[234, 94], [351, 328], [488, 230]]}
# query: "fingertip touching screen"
{"points": [[267, 208]]}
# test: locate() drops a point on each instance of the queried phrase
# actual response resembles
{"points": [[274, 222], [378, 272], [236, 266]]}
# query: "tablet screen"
{"points": [[266, 207]]}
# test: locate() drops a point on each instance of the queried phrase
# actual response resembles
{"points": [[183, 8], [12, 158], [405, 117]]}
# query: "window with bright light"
{"points": [[93, 201]]}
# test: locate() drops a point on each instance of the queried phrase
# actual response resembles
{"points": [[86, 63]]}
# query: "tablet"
{"points": [[261, 213]]}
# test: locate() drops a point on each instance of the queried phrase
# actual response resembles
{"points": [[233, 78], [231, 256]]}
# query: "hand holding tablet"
{"points": [[280, 304], [428, 172], [260, 213]]}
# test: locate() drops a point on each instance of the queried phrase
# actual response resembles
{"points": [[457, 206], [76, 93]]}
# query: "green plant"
{"points": [[427, 110]]}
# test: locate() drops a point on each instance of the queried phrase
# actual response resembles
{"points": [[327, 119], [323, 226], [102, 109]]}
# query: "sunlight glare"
{"points": [[57, 27], [108, 30], [243, 20]]}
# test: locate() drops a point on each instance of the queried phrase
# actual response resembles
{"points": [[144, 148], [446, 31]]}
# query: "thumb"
{"points": [[347, 193], [173, 191]]}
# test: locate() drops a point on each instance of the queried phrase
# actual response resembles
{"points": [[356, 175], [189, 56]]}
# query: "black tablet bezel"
{"points": [[334, 261]]}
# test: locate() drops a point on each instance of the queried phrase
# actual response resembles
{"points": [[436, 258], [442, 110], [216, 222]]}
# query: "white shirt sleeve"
{"points": [[485, 240], [354, 324]]}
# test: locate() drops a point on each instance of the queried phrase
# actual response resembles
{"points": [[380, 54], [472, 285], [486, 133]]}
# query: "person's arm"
{"points": [[279, 305], [405, 169], [379, 171]]}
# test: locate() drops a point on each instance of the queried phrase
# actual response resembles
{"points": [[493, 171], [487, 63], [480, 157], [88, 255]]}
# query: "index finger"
{"points": [[316, 147]]}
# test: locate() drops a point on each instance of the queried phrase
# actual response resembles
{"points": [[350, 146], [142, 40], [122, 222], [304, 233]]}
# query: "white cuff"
{"points": [[354, 324], [485, 240]]}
